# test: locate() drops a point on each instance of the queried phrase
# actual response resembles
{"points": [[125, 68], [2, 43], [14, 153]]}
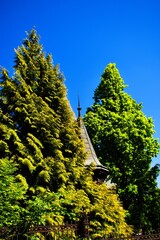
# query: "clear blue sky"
{"points": [[84, 36]]}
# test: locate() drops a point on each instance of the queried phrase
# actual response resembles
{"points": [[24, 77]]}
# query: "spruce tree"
{"points": [[123, 138]]}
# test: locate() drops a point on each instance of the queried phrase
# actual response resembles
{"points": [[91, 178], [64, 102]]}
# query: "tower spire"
{"points": [[79, 108], [100, 171]]}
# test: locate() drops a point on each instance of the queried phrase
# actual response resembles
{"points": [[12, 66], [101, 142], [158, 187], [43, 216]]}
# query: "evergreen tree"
{"points": [[38, 132], [35, 99], [123, 139]]}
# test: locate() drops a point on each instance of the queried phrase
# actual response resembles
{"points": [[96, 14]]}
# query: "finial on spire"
{"points": [[79, 108]]}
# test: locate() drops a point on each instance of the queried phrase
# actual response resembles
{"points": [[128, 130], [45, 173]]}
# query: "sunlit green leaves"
{"points": [[123, 139], [11, 191], [39, 133]]}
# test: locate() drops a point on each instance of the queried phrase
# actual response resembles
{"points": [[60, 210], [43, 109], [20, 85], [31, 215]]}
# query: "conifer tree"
{"points": [[36, 100], [123, 139], [38, 132]]}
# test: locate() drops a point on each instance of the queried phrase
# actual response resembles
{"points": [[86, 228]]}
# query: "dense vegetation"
{"points": [[42, 154], [123, 138]]}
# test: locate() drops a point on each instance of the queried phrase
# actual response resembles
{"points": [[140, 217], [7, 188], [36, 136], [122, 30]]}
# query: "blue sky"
{"points": [[84, 36]]}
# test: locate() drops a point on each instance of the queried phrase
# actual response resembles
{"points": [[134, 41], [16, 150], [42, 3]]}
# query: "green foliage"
{"points": [[45, 140], [11, 192], [39, 134], [106, 214], [123, 139]]}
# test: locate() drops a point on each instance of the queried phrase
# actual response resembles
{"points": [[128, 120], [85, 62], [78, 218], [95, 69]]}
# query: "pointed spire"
{"points": [[79, 108], [100, 171]]}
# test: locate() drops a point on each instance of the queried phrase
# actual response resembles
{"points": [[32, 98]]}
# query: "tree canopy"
{"points": [[45, 131], [41, 138], [123, 138]]}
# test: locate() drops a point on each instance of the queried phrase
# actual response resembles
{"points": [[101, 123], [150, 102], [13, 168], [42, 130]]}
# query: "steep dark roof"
{"points": [[100, 172], [91, 154]]}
